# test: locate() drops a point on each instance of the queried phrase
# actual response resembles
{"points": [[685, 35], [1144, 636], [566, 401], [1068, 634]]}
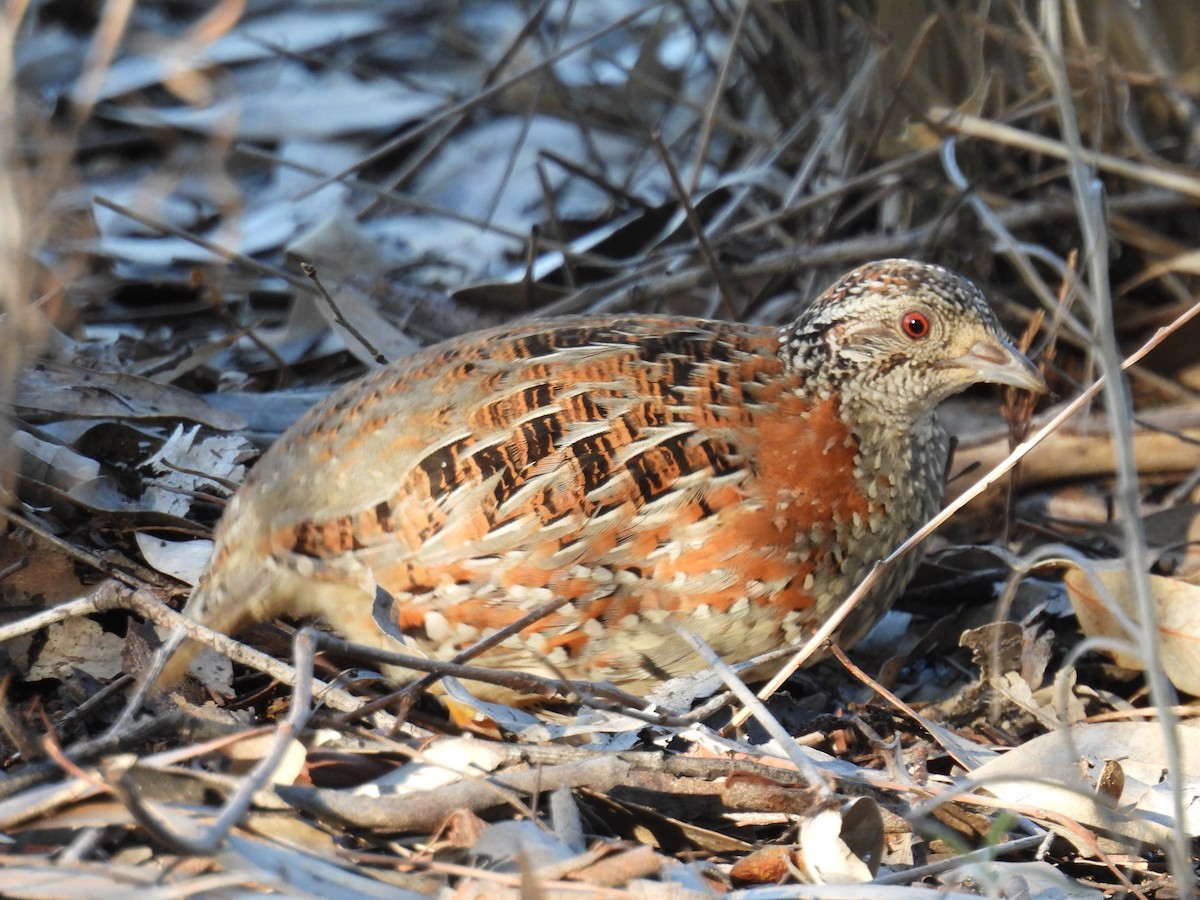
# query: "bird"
{"points": [[654, 473]]}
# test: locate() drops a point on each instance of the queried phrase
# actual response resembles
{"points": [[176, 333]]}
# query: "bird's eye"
{"points": [[915, 324]]}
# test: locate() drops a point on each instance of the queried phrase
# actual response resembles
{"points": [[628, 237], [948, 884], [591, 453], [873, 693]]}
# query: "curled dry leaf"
{"points": [[842, 846], [52, 464], [766, 865], [1067, 771], [445, 761], [1178, 611], [250, 750], [180, 559], [54, 388]]}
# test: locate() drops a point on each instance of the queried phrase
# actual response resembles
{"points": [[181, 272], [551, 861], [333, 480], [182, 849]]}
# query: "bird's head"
{"points": [[896, 337]]}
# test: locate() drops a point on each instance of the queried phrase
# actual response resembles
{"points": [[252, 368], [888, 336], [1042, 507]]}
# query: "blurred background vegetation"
{"points": [[166, 166]]}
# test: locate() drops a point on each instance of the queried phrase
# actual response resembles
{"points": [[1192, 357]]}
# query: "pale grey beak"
{"points": [[996, 361]]}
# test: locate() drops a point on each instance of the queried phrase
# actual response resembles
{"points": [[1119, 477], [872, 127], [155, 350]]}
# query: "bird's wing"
{"points": [[549, 442]]}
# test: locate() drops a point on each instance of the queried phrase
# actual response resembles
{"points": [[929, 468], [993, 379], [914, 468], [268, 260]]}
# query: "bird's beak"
{"points": [[996, 361]]}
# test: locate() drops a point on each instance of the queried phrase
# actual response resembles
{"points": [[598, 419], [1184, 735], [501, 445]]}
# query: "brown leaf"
{"points": [[1178, 612], [766, 865]]}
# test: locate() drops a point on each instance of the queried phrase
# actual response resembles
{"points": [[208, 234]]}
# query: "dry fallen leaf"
{"points": [[250, 750], [1063, 771], [79, 643], [1178, 612], [180, 559], [766, 865], [842, 846]]}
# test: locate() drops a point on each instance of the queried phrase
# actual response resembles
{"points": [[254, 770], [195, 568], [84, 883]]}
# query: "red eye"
{"points": [[915, 324]]}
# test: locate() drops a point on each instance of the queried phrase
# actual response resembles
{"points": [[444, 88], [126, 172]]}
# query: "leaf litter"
{"points": [[446, 167]]}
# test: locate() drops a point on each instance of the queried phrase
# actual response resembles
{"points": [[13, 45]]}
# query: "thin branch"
{"points": [[311, 271]]}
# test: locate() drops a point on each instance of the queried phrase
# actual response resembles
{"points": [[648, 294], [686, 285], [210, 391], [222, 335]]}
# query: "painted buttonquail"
{"points": [[734, 479]]}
